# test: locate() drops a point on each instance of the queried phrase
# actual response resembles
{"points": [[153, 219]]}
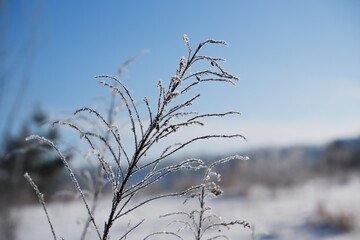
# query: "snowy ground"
{"points": [[290, 213]]}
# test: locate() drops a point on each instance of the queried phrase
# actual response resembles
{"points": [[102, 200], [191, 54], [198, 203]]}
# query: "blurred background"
{"points": [[299, 94]]}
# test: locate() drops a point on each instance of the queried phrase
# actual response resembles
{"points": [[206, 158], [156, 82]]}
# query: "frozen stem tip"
{"points": [[35, 137], [185, 38]]}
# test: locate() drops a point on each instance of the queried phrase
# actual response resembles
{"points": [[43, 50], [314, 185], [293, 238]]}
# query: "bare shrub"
{"points": [[120, 164], [8, 224], [201, 222], [339, 222]]}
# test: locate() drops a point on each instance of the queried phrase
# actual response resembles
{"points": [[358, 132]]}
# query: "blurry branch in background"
{"points": [[123, 67], [121, 165], [17, 54], [22, 156], [18, 45]]}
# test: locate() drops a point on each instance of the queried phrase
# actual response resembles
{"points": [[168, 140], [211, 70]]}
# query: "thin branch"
{"points": [[110, 127], [158, 197], [167, 233], [214, 115], [127, 107], [131, 99], [149, 109], [41, 200], [202, 138], [136, 226], [76, 183]]}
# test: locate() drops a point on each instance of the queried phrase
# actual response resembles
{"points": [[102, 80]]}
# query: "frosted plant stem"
{"points": [[170, 116], [41, 200], [98, 182], [76, 183], [202, 209]]}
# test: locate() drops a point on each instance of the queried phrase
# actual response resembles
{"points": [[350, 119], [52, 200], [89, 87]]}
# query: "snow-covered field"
{"points": [[303, 212]]}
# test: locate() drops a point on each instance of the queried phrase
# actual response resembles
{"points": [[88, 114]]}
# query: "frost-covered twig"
{"points": [[41, 200], [201, 221], [72, 175], [132, 229], [162, 233]]}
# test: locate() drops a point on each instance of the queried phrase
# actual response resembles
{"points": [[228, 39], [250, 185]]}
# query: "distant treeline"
{"points": [[276, 167]]}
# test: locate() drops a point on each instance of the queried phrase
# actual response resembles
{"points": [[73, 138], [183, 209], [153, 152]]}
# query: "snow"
{"points": [[286, 213]]}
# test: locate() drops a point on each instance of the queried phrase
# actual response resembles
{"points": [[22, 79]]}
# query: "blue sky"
{"points": [[298, 61]]}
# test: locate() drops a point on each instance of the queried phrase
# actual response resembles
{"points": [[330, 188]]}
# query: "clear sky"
{"points": [[298, 61]]}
